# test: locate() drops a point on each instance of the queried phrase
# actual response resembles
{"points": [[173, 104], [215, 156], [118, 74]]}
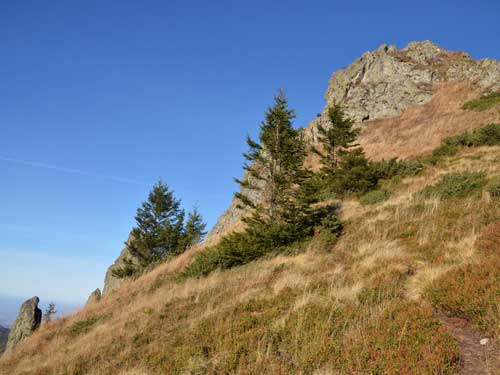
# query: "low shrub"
{"points": [[483, 103], [374, 197], [494, 187], [404, 339], [83, 326], [489, 240], [355, 175], [471, 292], [456, 185], [387, 169], [257, 241], [488, 135]]}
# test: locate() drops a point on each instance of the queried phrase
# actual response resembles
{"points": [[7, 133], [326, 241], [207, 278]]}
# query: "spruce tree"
{"points": [[335, 139], [194, 230], [274, 164], [345, 168], [160, 231], [159, 226]]}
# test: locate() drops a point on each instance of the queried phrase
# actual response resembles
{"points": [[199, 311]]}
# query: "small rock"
{"points": [[484, 341], [95, 297]]}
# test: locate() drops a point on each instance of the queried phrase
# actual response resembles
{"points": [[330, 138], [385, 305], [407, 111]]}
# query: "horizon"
{"points": [[132, 94]]}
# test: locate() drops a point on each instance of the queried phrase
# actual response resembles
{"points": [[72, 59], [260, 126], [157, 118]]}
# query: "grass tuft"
{"points": [[484, 103]]}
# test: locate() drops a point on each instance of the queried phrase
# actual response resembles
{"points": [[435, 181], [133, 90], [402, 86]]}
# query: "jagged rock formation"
{"points": [[4, 334], [111, 281], [94, 297], [28, 320], [384, 83]]}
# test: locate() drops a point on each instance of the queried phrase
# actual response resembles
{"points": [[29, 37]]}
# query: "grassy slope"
{"points": [[361, 306]]}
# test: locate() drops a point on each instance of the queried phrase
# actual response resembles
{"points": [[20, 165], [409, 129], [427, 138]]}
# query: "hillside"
{"points": [[406, 100], [412, 286]]}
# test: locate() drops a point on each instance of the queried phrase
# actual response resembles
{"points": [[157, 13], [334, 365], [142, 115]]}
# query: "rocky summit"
{"points": [[28, 320], [385, 82]]}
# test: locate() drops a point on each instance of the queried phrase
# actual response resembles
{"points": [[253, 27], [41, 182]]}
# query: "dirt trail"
{"points": [[476, 359]]}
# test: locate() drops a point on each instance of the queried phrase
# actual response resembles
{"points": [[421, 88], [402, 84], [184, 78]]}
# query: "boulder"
{"points": [[28, 320]]}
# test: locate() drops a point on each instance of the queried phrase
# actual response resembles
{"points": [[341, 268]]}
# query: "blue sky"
{"points": [[99, 100]]}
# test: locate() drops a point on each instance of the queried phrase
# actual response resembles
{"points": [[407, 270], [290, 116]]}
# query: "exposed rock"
{"points": [[232, 215], [385, 82], [381, 84], [111, 281], [94, 297], [4, 335], [28, 320]]}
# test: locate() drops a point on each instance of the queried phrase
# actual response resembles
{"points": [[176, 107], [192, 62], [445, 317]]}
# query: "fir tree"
{"points": [[336, 138], [194, 230], [160, 231], [274, 164], [345, 169], [159, 226]]}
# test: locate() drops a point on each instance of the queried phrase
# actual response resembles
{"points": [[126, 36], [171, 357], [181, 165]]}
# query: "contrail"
{"points": [[72, 171]]}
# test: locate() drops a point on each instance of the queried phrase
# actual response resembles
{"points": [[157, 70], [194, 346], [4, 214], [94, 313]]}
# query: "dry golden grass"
{"points": [[315, 312], [419, 130], [416, 132]]}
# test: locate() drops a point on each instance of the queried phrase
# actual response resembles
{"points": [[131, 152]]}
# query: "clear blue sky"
{"points": [[100, 99]]}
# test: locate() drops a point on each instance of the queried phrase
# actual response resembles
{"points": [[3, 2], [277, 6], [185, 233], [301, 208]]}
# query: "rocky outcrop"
{"points": [[230, 220], [94, 297], [381, 84], [4, 334], [111, 280], [385, 82], [28, 320]]}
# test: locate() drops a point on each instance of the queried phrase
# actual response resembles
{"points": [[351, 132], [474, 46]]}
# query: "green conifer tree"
{"points": [[194, 230], [335, 139], [275, 164], [160, 231]]}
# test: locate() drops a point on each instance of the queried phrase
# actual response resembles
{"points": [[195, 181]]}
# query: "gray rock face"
{"points": [[382, 84], [28, 320], [225, 222], [94, 297], [4, 334], [111, 281]]}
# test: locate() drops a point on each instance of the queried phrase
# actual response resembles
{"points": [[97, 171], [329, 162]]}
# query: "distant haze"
{"points": [[9, 308]]}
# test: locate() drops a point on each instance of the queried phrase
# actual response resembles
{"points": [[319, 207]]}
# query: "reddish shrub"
{"points": [[489, 240]]}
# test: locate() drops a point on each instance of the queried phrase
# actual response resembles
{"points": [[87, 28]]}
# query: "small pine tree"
{"points": [[194, 230], [336, 138], [275, 164], [50, 312]]}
